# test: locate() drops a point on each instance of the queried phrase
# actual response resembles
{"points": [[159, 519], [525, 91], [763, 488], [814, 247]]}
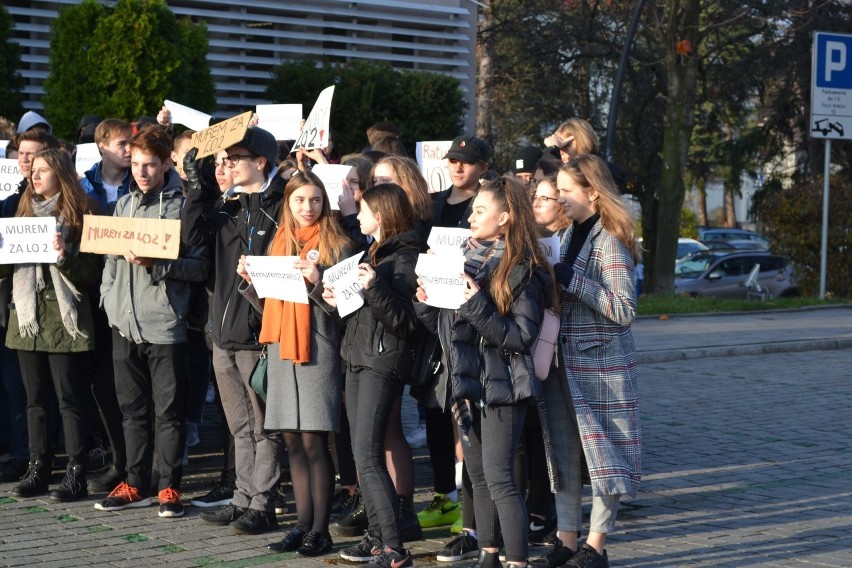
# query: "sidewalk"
{"points": [[747, 462]]}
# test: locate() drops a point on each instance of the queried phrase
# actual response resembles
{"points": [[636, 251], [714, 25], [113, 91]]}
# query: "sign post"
{"points": [[831, 113]]}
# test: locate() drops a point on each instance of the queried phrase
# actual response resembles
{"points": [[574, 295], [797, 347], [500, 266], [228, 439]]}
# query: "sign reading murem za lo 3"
{"points": [[831, 86]]}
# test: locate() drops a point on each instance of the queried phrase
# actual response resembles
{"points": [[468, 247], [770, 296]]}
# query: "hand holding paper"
{"points": [[440, 276]]}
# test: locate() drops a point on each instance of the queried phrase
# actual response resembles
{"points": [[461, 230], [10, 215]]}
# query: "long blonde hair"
{"points": [[592, 172], [411, 180], [585, 139]]}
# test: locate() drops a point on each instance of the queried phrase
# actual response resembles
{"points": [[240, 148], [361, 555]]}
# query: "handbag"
{"points": [[258, 374], [427, 361], [544, 350]]}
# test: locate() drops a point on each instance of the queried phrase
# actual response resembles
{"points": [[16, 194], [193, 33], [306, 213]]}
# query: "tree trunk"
{"points": [[731, 187], [701, 193], [485, 42]]}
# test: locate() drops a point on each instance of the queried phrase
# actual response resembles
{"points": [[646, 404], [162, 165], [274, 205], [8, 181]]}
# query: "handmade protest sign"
{"points": [[315, 132], [275, 277], [222, 135], [442, 279], [87, 156], [332, 176], [27, 239], [10, 177], [343, 278], [550, 248], [447, 240], [430, 158], [148, 238], [189, 117], [283, 121]]}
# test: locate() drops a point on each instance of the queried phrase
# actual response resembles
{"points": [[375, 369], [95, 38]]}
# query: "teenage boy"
{"points": [[146, 301], [108, 180], [241, 226], [467, 160]]}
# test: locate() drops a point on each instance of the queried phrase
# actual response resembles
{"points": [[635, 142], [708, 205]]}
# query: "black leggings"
{"points": [[312, 474]]}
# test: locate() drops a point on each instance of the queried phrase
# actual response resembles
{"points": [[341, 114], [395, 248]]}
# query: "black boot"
{"points": [[355, 523], [409, 524], [488, 560], [73, 486], [35, 480]]}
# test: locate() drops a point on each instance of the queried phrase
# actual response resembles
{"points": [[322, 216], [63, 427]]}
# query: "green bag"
{"points": [[258, 375]]}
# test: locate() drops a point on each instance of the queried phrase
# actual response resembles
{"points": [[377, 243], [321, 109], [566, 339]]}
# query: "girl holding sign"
{"points": [[51, 324], [378, 350], [487, 343], [304, 374]]}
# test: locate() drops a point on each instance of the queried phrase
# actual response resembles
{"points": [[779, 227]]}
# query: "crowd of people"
{"points": [[140, 339]]}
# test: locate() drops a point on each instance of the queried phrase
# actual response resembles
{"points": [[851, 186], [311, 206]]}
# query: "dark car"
{"points": [[724, 274]]}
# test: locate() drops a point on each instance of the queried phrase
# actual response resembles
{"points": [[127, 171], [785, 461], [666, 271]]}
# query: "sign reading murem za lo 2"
{"points": [[831, 86]]}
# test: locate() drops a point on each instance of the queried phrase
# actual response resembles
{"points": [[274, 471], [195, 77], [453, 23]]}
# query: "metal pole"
{"points": [[619, 79], [823, 257]]}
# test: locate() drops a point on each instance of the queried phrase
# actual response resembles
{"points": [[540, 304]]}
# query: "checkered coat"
{"points": [[599, 360]]}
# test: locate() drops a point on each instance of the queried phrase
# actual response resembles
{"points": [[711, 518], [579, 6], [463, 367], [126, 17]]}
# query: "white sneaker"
{"points": [[417, 437]]}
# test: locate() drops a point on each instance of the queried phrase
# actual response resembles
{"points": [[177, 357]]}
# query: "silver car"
{"points": [[724, 274]]}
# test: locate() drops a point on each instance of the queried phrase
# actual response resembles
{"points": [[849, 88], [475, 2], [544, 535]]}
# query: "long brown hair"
{"points": [[591, 172], [72, 203], [585, 139], [411, 180], [521, 238], [390, 203], [333, 241]]}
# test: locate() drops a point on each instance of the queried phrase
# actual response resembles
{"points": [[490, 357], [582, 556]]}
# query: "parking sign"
{"points": [[831, 86]]}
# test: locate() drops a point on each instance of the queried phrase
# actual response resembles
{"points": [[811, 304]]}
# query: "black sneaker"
{"points": [[542, 532], [556, 557], [391, 558], [107, 481], [35, 480], [73, 486], [353, 524], [409, 525], [14, 469], [292, 540], [224, 515], [216, 497], [364, 551], [315, 544], [588, 557], [342, 503], [124, 496], [459, 548], [170, 503], [255, 522]]}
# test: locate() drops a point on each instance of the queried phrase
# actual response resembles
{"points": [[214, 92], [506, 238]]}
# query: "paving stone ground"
{"points": [[747, 462]]}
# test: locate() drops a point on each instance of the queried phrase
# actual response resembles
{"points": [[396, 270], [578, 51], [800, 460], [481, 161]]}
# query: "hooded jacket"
{"points": [[150, 305], [93, 183]]}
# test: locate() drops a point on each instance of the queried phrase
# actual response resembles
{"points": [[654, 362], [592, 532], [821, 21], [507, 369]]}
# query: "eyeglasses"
{"points": [[543, 199], [234, 159]]}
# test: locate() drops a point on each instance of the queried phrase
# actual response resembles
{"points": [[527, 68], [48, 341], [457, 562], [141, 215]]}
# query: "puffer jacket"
{"points": [[151, 305], [382, 335]]}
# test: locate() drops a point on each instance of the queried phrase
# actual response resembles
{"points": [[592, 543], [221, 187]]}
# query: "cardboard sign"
{"points": [[442, 279], [27, 239], [150, 238], [283, 121], [430, 157], [221, 136], [10, 177], [275, 277], [315, 132], [550, 248], [189, 117], [87, 156], [332, 177], [448, 240], [343, 278], [3, 144]]}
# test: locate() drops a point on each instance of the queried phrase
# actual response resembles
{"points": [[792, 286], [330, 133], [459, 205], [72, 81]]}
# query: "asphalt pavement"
{"points": [[746, 462]]}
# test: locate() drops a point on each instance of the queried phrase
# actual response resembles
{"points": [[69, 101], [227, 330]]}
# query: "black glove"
{"points": [[191, 169], [564, 273]]}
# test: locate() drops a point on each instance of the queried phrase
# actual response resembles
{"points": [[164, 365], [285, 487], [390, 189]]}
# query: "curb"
{"points": [[748, 313], [827, 344]]}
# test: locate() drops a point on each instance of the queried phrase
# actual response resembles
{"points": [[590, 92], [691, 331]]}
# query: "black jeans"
{"points": [[442, 449], [490, 459], [103, 389], [61, 372], [370, 397], [149, 375], [13, 401]]}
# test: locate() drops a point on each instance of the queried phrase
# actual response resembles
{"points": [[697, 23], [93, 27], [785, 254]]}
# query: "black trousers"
{"points": [[146, 376]]}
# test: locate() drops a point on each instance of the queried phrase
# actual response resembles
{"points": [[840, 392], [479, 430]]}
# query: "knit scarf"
{"points": [[28, 281], [481, 258], [289, 323]]}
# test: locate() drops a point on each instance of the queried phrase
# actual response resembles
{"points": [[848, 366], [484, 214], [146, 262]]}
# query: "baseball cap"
{"points": [[468, 149], [260, 142]]}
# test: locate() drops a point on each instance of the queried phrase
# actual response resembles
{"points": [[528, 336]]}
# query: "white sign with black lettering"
{"points": [[442, 279], [332, 176], [276, 277], [87, 156], [10, 177], [430, 158], [282, 121], [315, 133], [831, 86], [448, 240], [27, 239], [343, 278], [189, 117], [550, 248]]}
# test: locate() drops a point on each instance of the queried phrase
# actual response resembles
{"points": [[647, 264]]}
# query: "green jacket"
{"points": [[83, 270]]}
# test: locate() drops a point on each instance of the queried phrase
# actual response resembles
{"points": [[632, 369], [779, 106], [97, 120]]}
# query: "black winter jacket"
{"points": [[382, 335]]}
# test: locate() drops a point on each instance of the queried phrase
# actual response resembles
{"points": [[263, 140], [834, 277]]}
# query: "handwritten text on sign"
{"points": [[86, 157], [442, 279], [10, 177], [332, 177], [430, 157], [27, 239], [315, 132], [275, 277], [220, 136], [447, 240], [343, 278], [150, 238]]}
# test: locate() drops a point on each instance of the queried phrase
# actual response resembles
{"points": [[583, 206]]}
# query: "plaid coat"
{"points": [[599, 361]]}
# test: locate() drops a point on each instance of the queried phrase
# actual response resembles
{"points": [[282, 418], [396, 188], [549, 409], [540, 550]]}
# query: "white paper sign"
{"points": [[430, 157], [343, 277], [448, 240], [315, 132], [10, 177], [332, 177], [87, 155], [189, 117], [27, 239], [442, 279], [275, 277], [550, 248], [3, 144], [283, 121]]}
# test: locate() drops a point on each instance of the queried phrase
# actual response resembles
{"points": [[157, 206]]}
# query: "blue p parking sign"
{"points": [[831, 86]]}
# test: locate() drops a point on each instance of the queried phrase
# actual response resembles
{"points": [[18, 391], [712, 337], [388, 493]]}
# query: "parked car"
{"points": [[685, 247], [735, 244], [707, 234], [723, 274]]}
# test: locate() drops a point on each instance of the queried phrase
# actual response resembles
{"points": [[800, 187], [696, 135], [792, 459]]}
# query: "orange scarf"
{"points": [[288, 323]]}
